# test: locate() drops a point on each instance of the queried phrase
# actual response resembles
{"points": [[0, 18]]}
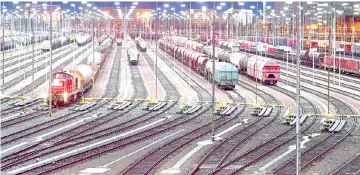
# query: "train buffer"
{"points": [[84, 106], [228, 110], [332, 125], [155, 106], [121, 105], [25, 102], [291, 119], [191, 109], [262, 111]]}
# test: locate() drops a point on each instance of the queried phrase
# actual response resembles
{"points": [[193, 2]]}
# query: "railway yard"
{"points": [[112, 88]]}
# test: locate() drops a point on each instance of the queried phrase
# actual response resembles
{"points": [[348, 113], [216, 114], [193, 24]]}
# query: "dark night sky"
{"points": [[177, 5]]}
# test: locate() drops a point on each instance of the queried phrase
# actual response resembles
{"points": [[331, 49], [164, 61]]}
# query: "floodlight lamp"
{"points": [[223, 4], [166, 5], [183, 5], [117, 3], [135, 3]]}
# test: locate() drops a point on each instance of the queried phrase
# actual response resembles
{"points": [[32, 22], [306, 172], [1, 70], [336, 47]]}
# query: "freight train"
{"points": [[69, 86], [259, 68], [19, 38], [319, 59], [225, 76], [55, 43], [349, 48]]}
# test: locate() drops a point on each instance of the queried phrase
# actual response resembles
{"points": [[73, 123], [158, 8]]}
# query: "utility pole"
{"points": [[212, 77], [50, 78], [3, 53], [256, 53], [330, 46], [156, 51], [93, 37], [33, 55], [298, 154]]}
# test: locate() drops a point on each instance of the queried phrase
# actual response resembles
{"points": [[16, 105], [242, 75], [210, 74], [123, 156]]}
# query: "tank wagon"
{"points": [[55, 43], [102, 38], [141, 44], [82, 38]]}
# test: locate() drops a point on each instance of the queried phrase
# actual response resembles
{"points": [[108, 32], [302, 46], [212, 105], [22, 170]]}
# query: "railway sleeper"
{"points": [[228, 111], [291, 119], [332, 125], [192, 109]]}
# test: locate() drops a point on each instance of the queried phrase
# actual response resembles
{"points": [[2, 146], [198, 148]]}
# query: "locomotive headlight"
{"points": [[65, 96]]}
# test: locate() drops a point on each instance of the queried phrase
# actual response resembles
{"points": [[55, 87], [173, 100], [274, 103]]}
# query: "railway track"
{"points": [[52, 123], [350, 167], [334, 89], [318, 71], [21, 119], [315, 152], [230, 145], [259, 152], [26, 55], [43, 78], [39, 57], [13, 109], [125, 141], [29, 73], [148, 163], [319, 149], [340, 106], [87, 137], [45, 125], [7, 52]]}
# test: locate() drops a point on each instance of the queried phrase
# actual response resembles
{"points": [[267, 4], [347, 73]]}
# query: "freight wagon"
{"points": [[226, 75]]}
